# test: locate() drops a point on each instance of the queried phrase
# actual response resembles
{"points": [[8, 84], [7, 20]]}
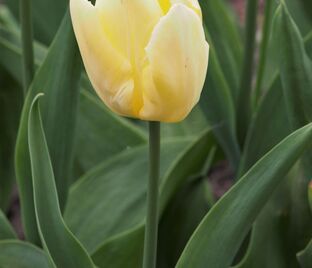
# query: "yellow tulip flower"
{"points": [[146, 59]]}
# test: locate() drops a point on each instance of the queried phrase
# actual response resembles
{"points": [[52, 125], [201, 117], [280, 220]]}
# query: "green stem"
{"points": [[244, 100], [27, 43], [263, 49], [151, 229]]}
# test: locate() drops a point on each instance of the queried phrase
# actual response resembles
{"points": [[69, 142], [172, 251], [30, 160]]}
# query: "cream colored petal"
{"points": [[109, 71], [193, 4], [128, 24], [178, 56]]}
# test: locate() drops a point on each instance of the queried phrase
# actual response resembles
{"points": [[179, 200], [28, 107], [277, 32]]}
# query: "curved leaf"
{"points": [[270, 115], [124, 250], [215, 242], [111, 192], [180, 170], [18, 254], [183, 214], [61, 245], [225, 38], [59, 112], [218, 106], [101, 134], [296, 69]]}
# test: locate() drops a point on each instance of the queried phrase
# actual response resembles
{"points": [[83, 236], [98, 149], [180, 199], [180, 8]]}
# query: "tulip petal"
{"points": [[193, 4], [128, 24], [178, 57], [109, 71]]}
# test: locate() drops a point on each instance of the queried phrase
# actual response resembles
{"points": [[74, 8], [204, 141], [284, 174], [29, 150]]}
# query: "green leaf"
{"points": [[299, 14], [217, 99], [59, 111], [225, 38], [194, 123], [218, 106], [296, 69], [46, 15], [124, 250], [215, 242], [6, 230], [58, 241], [113, 191], [183, 214], [180, 170], [18, 254], [267, 246], [305, 256], [101, 134], [270, 115]]}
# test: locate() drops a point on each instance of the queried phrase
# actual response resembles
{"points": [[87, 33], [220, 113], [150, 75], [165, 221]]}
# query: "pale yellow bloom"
{"points": [[145, 58]]}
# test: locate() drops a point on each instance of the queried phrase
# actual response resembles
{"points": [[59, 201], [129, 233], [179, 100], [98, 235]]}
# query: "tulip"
{"points": [[146, 59]]}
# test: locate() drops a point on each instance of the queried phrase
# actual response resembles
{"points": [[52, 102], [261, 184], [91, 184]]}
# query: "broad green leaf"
{"points": [[305, 256], [267, 117], [225, 39], [215, 242], [18, 254], [61, 245], [101, 134], [11, 98], [271, 244], [113, 191], [217, 104], [6, 230], [180, 170], [59, 110], [271, 116], [124, 250], [296, 69], [194, 123], [46, 15], [267, 248], [183, 214]]}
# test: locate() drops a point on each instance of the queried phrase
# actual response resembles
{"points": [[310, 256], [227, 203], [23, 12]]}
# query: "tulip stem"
{"points": [[151, 229], [27, 44]]}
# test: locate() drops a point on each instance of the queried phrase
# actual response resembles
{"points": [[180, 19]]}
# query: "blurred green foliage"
{"points": [[81, 170]]}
